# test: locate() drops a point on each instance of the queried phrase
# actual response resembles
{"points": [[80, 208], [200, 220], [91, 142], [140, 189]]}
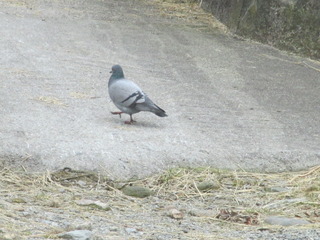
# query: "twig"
{"points": [[306, 174], [75, 177], [24, 169], [311, 203], [47, 177], [225, 221], [241, 168], [195, 185]]}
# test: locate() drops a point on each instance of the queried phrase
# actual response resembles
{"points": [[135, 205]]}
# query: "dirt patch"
{"points": [[198, 203]]}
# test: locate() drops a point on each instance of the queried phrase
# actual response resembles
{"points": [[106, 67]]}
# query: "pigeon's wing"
{"points": [[124, 93]]}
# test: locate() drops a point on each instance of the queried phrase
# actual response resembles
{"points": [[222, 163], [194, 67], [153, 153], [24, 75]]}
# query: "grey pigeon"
{"points": [[129, 97]]}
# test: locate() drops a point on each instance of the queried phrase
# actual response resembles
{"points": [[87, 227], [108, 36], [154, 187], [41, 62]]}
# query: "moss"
{"points": [[207, 185], [293, 27], [136, 191]]}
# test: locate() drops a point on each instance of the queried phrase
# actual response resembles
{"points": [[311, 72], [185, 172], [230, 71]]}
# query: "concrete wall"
{"points": [[293, 25]]}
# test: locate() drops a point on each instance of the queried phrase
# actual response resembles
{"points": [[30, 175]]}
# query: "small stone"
{"points": [[54, 204], [95, 204], [76, 235], [18, 208], [26, 214], [136, 191], [18, 200], [277, 189], [131, 230], [207, 185], [81, 183], [203, 213], [284, 221], [175, 213], [113, 229], [61, 190]]}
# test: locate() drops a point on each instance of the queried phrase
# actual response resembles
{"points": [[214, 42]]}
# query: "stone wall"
{"points": [[292, 25]]}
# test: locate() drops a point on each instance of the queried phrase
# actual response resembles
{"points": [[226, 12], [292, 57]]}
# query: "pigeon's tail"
{"points": [[150, 106], [159, 112]]}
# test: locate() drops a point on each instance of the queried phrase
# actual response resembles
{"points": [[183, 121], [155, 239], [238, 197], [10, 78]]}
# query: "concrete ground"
{"points": [[231, 103]]}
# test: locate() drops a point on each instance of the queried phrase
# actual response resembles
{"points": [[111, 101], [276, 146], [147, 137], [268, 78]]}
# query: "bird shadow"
{"points": [[135, 124]]}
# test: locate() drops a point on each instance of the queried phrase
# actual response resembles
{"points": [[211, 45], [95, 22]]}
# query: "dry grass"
{"points": [[257, 189], [190, 11], [241, 197], [294, 194], [51, 100]]}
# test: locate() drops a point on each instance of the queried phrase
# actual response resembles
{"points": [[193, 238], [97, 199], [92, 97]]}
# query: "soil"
{"points": [[233, 205]]}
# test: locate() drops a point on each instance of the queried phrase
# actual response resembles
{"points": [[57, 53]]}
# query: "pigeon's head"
{"points": [[117, 72]]}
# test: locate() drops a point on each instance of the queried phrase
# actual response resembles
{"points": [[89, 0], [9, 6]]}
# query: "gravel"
{"points": [[281, 234], [45, 207]]}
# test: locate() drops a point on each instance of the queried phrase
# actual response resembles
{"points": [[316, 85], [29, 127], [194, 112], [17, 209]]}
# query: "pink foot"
{"points": [[117, 113], [129, 122]]}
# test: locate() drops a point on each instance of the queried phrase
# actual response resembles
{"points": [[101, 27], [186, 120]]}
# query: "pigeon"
{"points": [[129, 97]]}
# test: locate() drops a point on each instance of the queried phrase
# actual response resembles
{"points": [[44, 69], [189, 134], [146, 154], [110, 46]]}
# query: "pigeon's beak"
{"points": [[110, 71]]}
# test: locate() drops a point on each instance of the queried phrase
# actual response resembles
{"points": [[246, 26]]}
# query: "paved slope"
{"points": [[231, 103]]}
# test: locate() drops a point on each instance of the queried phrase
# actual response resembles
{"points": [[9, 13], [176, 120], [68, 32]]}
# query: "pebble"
{"points": [[18, 200], [277, 189], [97, 204], [113, 229], [290, 234], [174, 213], [203, 213], [207, 185], [284, 221], [136, 191], [81, 183], [76, 235], [131, 230]]}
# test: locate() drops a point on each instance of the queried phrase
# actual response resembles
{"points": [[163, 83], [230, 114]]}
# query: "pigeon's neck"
{"points": [[115, 76]]}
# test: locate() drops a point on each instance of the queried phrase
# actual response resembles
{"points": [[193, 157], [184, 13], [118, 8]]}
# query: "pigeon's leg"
{"points": [[131, 120], [117, 113]]}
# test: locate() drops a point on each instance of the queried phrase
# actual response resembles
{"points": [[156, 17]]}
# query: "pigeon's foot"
{"points": [[117, 113], [130, 122]]}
